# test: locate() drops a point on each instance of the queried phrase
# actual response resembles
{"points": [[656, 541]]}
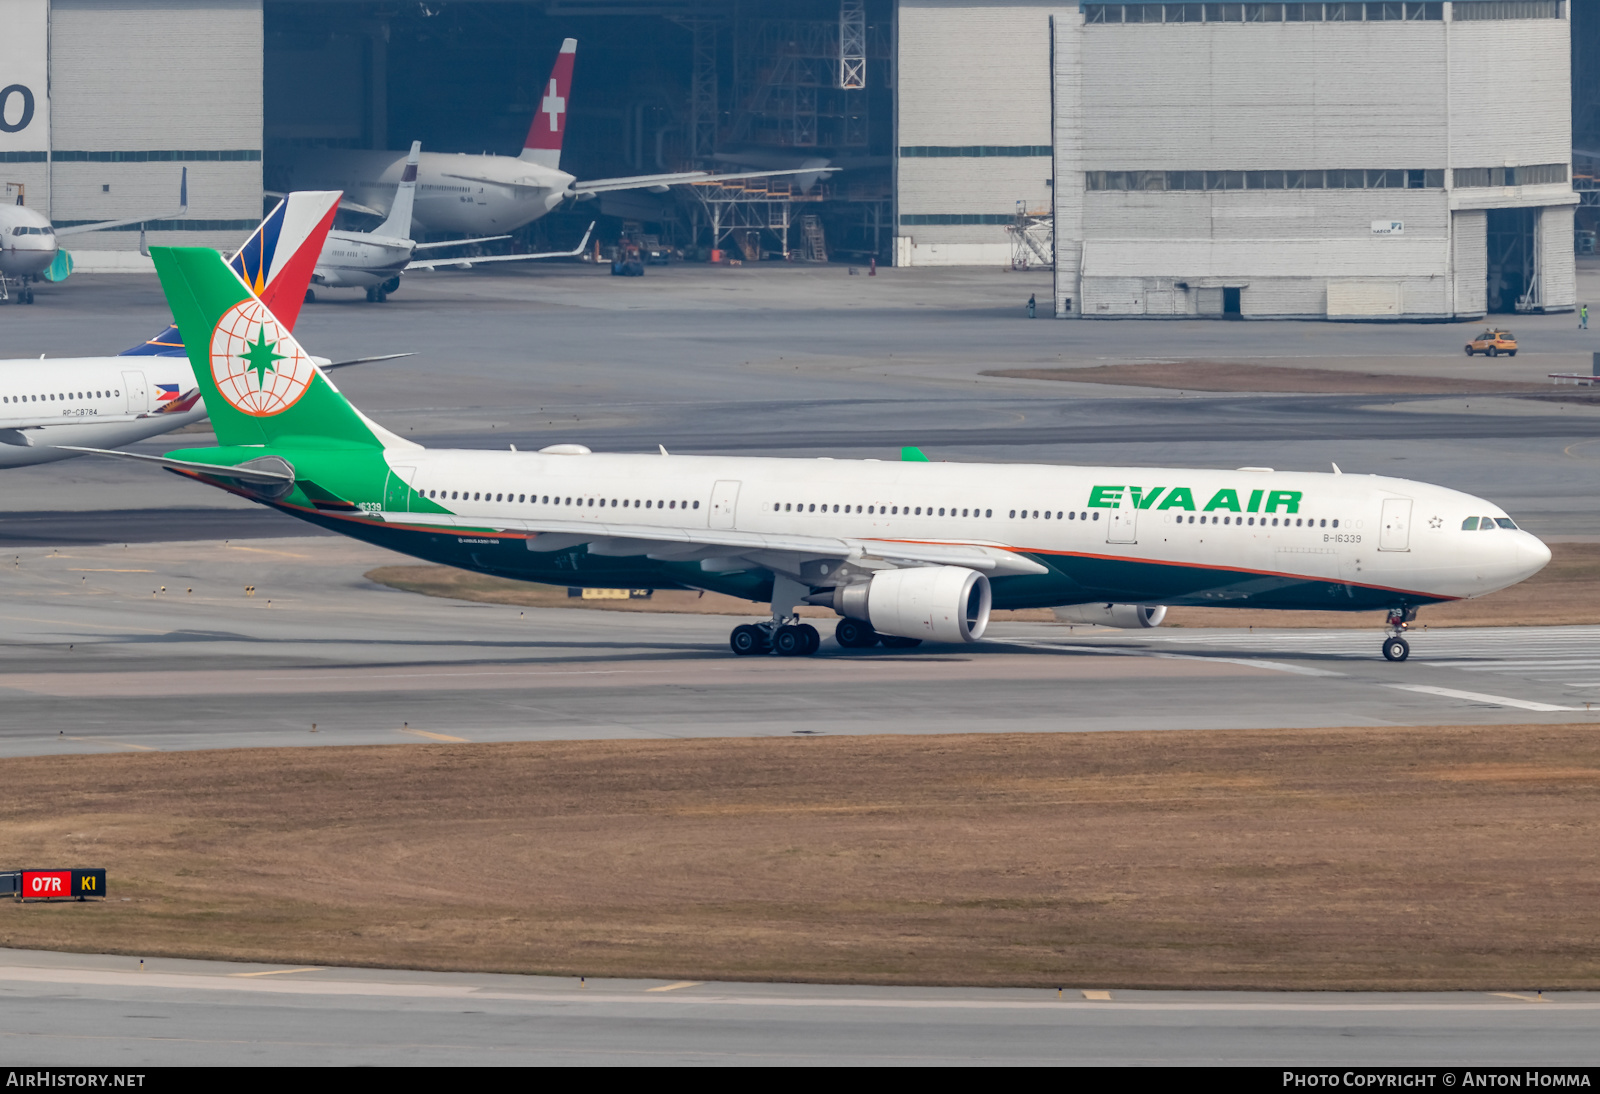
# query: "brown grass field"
{"points": [[1401, 858], [1565, 592]]}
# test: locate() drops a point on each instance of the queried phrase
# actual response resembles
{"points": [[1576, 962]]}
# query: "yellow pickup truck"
{"points": [[1493, 342]]}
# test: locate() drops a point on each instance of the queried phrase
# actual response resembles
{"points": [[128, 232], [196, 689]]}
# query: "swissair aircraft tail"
{"points": [[543, 145]]}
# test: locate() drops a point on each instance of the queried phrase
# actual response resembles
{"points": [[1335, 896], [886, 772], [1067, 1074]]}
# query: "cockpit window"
{"points": [[1505, 522], [1470, 524], [1485, 524]]}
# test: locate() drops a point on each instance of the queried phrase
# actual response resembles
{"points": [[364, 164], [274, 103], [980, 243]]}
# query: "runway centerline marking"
{"points": [[1248, 662], [679, 984], [1097, 995], [1479, 697], [1523, 998], [110, 741], [103, 570], [275, 972], [15, 974], [435, 736]]}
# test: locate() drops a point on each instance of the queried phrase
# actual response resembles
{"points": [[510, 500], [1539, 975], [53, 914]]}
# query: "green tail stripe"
{"points": [[201, 289], [912, 454]]}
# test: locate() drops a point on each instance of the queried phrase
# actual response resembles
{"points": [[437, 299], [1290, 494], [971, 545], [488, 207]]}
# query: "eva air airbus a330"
{"points": [[902, 551]]}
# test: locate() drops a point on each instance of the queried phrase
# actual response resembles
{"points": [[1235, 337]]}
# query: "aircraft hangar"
{"points": [[1337, 159]]}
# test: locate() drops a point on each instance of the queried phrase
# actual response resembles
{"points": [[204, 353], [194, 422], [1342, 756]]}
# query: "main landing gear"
{"points": [[1395, 647], [786, 639]]}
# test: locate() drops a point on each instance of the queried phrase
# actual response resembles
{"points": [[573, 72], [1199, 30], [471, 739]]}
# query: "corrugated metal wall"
{"points": [[1380, 96], [172, 83], [970, 74], [1557, 268]]}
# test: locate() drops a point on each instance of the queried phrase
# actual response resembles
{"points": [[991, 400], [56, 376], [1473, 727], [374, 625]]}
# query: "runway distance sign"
{"points": [[62, 884]]}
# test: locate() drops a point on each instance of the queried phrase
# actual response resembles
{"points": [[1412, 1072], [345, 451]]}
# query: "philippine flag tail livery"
{"points": [[276, 262], [258, 383], [543, 145]]}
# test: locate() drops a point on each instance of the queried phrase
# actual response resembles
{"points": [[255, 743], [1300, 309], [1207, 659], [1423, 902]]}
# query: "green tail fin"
{"points": [[912, 454], [259, 385]]}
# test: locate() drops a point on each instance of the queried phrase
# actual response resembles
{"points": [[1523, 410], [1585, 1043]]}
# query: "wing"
{"points": [[440, 263], [653, 182], [621, 539], [458, 242], [102, 225]]}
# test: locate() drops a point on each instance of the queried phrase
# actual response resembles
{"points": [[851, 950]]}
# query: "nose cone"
{"points": [[1531, 555]]}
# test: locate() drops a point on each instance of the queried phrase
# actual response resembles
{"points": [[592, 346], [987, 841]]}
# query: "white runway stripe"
{"points": [[1479, 697]]}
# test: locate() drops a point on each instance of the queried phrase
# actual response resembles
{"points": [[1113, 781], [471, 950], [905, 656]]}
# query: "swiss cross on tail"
{"points": [[543, 145]]}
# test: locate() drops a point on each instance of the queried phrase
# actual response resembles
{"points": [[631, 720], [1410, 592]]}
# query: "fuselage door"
{"points": [[724, 500], [397, 490], [1124, 526], [1394, 530], [137, 391]]}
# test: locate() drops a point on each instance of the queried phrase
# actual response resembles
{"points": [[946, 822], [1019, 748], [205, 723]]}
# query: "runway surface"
{"points": [[65, 1008], [158, 646]]}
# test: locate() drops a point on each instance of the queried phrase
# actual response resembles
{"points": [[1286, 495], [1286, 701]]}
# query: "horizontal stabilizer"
{"points": [[243, 474]]}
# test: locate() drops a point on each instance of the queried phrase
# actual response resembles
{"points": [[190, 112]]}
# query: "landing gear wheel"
{"points": [[27, 296], [383, 296], [1396, 649], [853, 634], [795, 641], [747, 640], [311, 296], [372, 294], [895, 642]]}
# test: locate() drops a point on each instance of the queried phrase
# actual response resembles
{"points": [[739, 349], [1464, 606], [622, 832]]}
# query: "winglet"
{"points": [[543, 145], [912, 454]]}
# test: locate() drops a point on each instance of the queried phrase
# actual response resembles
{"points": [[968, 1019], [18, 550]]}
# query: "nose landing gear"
{"points": [[1395, 647]]}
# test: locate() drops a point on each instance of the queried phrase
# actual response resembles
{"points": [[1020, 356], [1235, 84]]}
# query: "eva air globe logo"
{"points": [[258, 366]]}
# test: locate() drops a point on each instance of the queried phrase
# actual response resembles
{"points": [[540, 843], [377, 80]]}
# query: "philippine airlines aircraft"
{"points": [[29, 245], [375, 260], [480, 195], [150, 389], [902, 551]]}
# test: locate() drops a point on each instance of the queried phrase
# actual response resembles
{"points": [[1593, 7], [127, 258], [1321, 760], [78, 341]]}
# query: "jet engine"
{"points": [[1128, 616], [939, 603]]}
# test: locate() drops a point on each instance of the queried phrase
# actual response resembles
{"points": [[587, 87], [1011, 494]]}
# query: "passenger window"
{"points": [[988, 512], [697, 505], [1336, 524], [1097, 517], [1013, 514], [871, 510], [672, 505], [894, 510]]}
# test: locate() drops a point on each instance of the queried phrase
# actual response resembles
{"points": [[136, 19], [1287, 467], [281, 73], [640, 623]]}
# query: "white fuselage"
{"points": [[456, 193], [92, 402], [359, 260], [27, 242], [1360, 531]]}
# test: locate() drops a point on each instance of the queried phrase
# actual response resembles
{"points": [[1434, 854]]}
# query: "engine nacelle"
{"points": [[1127, 616], [939, 603]]}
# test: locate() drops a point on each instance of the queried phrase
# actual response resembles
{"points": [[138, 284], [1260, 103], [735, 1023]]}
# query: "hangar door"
{"points": [[1394, 533]]}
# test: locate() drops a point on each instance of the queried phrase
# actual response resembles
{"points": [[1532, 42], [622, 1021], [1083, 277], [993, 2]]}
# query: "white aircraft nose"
{"points": [[1531, 554]]}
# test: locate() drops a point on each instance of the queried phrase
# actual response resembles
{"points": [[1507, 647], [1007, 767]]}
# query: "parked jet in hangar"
{"points": [[30, 246], [901, 551], [480, 195], [375, 260], [149, 389]]}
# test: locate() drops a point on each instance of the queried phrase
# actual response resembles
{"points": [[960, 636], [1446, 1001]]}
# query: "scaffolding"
{"points": [[740, 210], [853, 45], [1033, 236]]}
